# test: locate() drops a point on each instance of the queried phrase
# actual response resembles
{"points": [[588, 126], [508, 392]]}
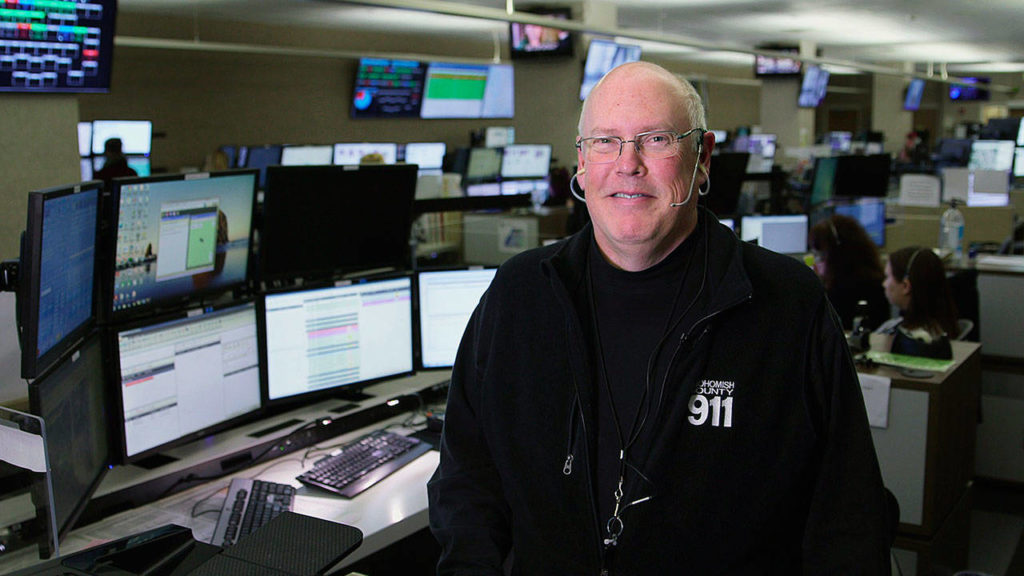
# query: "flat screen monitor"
{"points": [[73, 400], [141, 164], [602, 56], [840, 141], [813, 87], [859, 176], [954, 151], [483, 164], [1020, 134], [870, 213], [306, 155], [136, 135], [362, 219], [971, 89], [56, 293], [425, 155], [499, 136], [536, 41], [765, 65], [1018, 162], [85, 168], [468, 91], [57, 46], [184, 378], [321, 342], [353, 153], [991, 155], [85, 139], [526, 161], [824, 180], [730, 170], [785, 234], [762, 153], [915, 90], [388, 88], [179, 238], [259, 158], [446, 300]]}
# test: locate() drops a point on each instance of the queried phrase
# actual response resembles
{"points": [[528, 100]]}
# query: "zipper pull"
{"points": [[567, 468]]}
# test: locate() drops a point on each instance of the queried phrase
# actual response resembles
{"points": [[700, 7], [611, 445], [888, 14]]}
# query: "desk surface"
{"points": [[392, 509]]}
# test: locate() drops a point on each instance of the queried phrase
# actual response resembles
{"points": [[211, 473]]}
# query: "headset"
{"points": [[578, 192]]}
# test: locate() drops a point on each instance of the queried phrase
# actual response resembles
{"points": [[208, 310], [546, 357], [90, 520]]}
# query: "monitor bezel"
{"points": [[117, 397], [29, 283], [166, 305], [351, 389]]}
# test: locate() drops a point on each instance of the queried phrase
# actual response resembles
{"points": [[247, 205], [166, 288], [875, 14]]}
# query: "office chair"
{"points": [[964, 327]]}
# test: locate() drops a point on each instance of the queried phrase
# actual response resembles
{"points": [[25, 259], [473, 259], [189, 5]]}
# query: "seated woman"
{"points": [[848, 264], [915, 282]]}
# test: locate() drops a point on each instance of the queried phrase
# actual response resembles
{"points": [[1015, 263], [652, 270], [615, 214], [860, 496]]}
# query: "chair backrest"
{"points": [[964, 325]]}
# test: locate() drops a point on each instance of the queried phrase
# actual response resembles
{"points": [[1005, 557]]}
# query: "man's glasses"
{"points": [[651, 145]]}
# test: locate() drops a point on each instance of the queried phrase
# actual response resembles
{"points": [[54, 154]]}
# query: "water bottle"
{"points": [[951, 232]]}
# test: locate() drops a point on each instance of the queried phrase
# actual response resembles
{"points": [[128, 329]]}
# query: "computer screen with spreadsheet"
{"points": [[321, 341], [785, 234], [57, 46], [58, 266], [446, 300], [185, 378], [178, 238]]}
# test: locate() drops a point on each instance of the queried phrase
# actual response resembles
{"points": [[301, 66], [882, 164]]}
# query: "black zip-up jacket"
{"points": [[760, 458]]}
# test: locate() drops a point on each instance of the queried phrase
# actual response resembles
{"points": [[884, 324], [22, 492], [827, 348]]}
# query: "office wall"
{"points": [[38, 149]]}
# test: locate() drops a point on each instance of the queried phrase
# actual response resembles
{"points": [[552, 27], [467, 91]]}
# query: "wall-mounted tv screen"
{"points": [[915, 90], [602, 56], [388, 88], [970, 90], [534, 40], [765, 65], [813, 87], [468, 91], [57, 46]]}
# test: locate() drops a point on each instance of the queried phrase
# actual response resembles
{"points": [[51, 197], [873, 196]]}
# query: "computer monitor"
{"points": [[721, 137], [260, 158], [526, 161], [1020, 134], [870, 212], [136, 135], [56, 298], [992, 155], [813, 88], [483, 164], [85, 139], [141, 164], [350, 153], [840, 141], [1018, 162], [824, 180], [178, 238], [468, 91], [446, 300], [361, 221], [762, 153], [73, 400], [729, 170], [954, 152], [184, 378], [912, 101], [325, 342], [426, 155], [306, 155], [858, 176], [602, 56], [785, 234]]}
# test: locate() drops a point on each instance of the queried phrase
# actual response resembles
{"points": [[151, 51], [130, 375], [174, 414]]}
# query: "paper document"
{"points": [[876, 398]]}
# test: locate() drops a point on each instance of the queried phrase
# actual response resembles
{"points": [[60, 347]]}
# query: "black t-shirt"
{"points": [[634, 311]]}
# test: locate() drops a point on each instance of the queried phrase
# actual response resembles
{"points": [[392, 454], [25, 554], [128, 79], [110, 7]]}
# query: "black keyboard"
{"points": [[363, 462], [249, 505]]}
